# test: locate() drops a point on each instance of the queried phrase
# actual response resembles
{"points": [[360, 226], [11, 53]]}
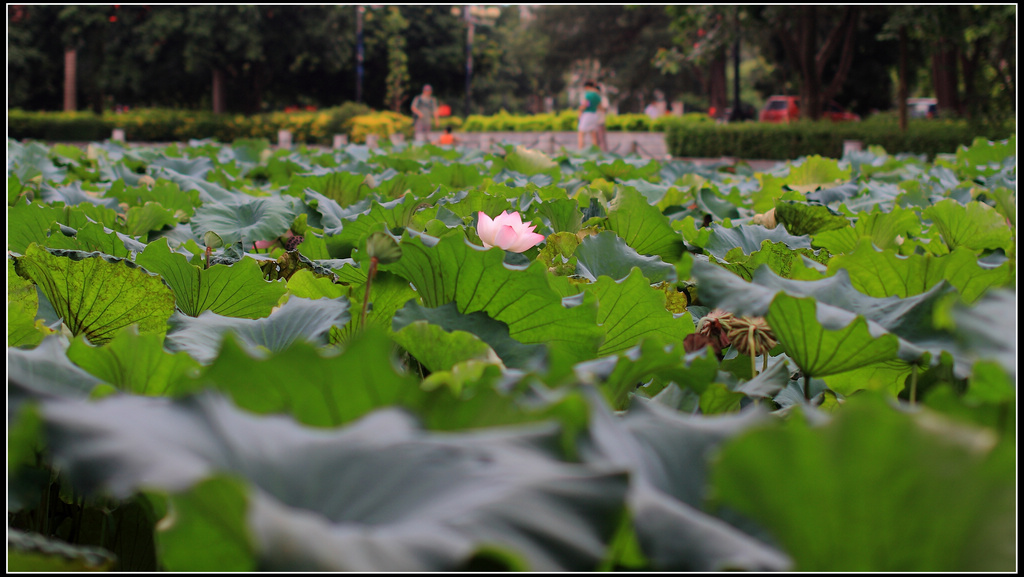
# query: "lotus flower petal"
{"points": [[507, 231]]}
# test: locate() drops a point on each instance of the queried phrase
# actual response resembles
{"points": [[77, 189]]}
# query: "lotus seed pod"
{"points": [[146, 180], [751, 336]]}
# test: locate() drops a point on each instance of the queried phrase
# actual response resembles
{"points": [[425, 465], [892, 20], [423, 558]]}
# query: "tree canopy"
{"points": [[259, 57]]}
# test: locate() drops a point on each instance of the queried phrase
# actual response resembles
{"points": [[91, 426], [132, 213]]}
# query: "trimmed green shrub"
{"points": [[162, 125], [788, 141]]}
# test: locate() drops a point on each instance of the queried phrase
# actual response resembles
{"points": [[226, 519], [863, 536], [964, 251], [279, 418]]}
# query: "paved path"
{"points": [[645, 144]]}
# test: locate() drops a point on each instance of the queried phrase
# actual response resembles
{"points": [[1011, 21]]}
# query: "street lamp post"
{"points": [[359, 52], [473, 15], [470, 26]]}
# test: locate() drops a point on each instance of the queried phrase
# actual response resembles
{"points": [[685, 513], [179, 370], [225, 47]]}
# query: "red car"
{"points": [[787, 108]]}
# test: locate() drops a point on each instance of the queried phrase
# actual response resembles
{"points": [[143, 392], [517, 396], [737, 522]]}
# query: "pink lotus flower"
{"points": [[507, 231]]}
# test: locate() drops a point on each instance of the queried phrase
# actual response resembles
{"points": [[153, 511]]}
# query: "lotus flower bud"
{"points": [[507, 231]]}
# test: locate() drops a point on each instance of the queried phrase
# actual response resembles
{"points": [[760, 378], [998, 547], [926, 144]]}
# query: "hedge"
{"points": [[788, 141], [161, 125], [567, 121]]}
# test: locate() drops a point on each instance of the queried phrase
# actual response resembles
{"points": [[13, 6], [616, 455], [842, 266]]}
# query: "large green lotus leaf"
{"points": [[559, 214], [467, 204], [26, 161], [245, 219], [166, 193], [619, 375], [712, 203], [440, 350], [619, 169], [749, 238], [31, 223], [317, 390], [976, 226], [876, 490], [378, 495], [642, 226], [531, 162], [770, 191], [73, 195], [22, 304], [629, 310], [476, 279], [801, 218], [557, 253], [876, 195], [493, 333], [888, 376], [668, 455], [606, 254], [455, 176], [400, 184], [882, 273], [881, 227], [209, 192], [238, 290], [150, 217], [134, 363], [46, 371], [309, 286], [1006, 203], [296, 319], [781, 259], [92, 237], [836, 194], [341, 187], [986, 330], [381, 216], [816, 171], [985, 157], [196, 167], [23, 328], [207, 528], [692, 234], [388, 293], [98, 295], [820, 348], [838, 304]]}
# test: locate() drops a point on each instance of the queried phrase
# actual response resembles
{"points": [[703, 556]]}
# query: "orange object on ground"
{"points": [[447, 138]]}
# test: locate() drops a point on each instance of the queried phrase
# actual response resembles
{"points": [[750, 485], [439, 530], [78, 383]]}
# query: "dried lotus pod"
{"points": [[714, 327], [751, 336]]}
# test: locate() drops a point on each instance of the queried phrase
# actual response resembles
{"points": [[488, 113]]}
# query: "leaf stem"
{"points": [[366, 297], [913, 384], [807, 387]]}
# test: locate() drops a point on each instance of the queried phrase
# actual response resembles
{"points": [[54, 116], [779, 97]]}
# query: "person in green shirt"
{"points": [[590, 105], [425, 108]]}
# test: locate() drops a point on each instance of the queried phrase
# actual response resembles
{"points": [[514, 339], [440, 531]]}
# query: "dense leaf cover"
{"points": [[374, 390]]}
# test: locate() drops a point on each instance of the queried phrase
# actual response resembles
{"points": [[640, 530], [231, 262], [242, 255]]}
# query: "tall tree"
{"points": [[398, 62], [800, 28], [622, 39]]}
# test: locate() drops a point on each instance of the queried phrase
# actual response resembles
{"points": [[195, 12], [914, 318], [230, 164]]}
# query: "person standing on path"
{"points": [[424, 106], [590, 104], [602, 129]]}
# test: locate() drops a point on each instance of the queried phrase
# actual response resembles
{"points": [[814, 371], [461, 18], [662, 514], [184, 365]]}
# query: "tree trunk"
{"points": [[944, 77], [218, 91], [810, 88], [902, 91], [717, 86], [70, 80]]}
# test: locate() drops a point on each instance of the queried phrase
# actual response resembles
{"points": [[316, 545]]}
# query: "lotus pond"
{"points": [[237, 357]]}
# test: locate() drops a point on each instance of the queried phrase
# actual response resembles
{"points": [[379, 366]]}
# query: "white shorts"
{"points": [[589, 122]]}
